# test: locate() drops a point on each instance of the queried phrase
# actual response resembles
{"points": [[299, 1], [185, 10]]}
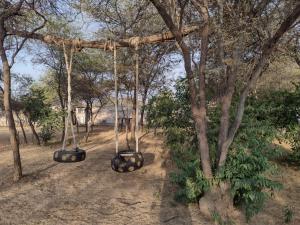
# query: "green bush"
{"points": [[248, 162], [41, 113], [49, 124], [292, 136], [281, 109], [249, 183], [288, 214]]}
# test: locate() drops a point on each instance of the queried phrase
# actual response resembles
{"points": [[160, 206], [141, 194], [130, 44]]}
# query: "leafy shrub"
{"points": [[49, 123], [246, 172], [292, 135], [282, 109], [248, 161], [288, 214], [189, 176], [41, 113]]}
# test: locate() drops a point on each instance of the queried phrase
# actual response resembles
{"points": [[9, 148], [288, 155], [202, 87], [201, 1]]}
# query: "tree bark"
{"points": [[92, 119], [225, 107], [103, 44], [7, 107], [253, 75], [198, 110], [62, 105], [22, 128], [36, 136], [87, 111], [201, 115]]}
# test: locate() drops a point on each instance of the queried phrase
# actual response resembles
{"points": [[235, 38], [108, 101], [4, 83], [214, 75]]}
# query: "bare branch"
{"points": [[104, 44], [254, 74]]}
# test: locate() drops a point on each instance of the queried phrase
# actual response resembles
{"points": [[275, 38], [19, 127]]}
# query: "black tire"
{"points": [[69, 156], [127, 161]]}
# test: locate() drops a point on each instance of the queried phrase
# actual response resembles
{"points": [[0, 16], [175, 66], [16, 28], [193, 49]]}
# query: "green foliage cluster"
{"points": [[248, 163], [282, 108], [288, 214], [41, 113]]}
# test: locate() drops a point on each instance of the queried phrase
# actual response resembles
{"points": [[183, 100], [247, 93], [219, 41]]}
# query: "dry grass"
{"points": [[91, 193]]}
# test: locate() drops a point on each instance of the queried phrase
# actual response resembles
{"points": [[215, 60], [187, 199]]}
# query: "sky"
{"points": [[24, 64]]}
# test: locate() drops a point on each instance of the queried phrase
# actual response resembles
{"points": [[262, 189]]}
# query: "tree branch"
{"points": [[103, 44], [254, 74]]}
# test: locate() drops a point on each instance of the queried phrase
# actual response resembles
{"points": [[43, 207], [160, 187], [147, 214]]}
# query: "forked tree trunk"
{"points": [[7, 107], [219, 201], [90, 125], [22, 128], [198, 100], [36, 136]]}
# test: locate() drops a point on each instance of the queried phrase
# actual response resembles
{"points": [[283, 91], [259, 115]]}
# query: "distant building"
{"points": [[104, 115]]}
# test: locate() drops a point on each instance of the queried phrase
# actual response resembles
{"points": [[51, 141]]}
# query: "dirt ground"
{"points": [[89, 192], [4, 136]]}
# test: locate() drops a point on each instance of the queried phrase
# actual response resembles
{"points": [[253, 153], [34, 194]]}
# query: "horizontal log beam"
{"points": [[103, 44]]}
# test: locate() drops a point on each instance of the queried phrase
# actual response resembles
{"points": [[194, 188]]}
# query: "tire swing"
{"points": [[75, 154], [126, 160]]}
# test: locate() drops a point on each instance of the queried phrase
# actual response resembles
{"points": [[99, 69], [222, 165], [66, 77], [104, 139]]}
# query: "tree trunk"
{"points": [[37, 138], [22, 128], [200, 125], [62, 104], [91, 118], [88, 131], [198, 107], [218, 201], [253, 75], [225, 107], [200, 118], [87, 114], [7, 107]]}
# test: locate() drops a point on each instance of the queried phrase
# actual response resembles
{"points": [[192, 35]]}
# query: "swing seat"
{"points": [[127, 161], [69, 156]]}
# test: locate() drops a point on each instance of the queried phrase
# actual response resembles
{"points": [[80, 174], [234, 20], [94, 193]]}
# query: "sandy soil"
{"points": [[89, 192], [4, 136]]}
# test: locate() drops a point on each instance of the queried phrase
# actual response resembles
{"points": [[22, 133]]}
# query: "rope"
{"points": [[116, 98], [69, 62], [134, 41], [137, 102]]}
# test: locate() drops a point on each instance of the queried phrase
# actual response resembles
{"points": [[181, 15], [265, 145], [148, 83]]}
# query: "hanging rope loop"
{"points": [[69, 63], [109, 45], [77, 44], [134, 41], [116, 98], [137, 95], [76, 154], [127, 160]]}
